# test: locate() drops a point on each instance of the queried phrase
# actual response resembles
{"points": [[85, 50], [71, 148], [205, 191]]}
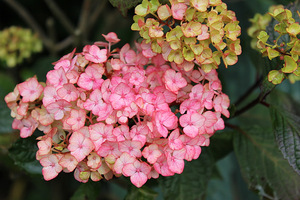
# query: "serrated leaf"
{"points": [[192, 183], [87, 190], [23, 152], [286, 127], [263, 166], [124, 5], [143, 193]]}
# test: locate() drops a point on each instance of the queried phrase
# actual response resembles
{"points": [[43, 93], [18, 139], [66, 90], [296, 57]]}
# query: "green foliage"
{"points": [[143, 193], [276, 36], [286, 126], [263, 166], [89, 190], [192, 183], [23, 153]]}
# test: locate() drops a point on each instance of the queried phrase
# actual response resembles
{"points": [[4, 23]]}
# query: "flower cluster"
{"points": [[283, 44], [17, 44], [259, 23], [186, 31], [110, 112]]}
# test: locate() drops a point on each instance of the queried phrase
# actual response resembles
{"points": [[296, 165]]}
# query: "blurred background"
{"points": [[45, 30]]}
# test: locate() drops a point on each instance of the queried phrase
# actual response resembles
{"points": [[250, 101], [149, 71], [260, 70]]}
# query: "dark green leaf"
{"points": [[7, 84], [263, 166], [124, 5], [221, 144], [143, 193], [192, 183], [286, 127], [23, 153], [87, 191], [5, 119]]}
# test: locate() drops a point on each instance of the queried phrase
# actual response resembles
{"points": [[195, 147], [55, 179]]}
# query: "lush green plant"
{"points": [[196, 41]]}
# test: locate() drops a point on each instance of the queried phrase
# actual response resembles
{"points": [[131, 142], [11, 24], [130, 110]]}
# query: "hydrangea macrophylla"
{"points": [[140, 118], [191, 28]]}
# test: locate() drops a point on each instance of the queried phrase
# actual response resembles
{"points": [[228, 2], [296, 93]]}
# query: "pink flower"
{"points": [[178, 10], [80, 145], [131, 147], [68, 161], [123, 160], [94, 161], [175, 161], [97, 106], [50, 95], [122, 96], [30, 90], [109, 148], [42, 116], [111, 37], [51, 167], [174, 81], [91, 79], [26, 126], [173, 140], [76, 119], [59, 108], [96, 55], [101, 132], [221, 104], [210, 120], [127, 55], [137, 77], [138, 172], [152, 153], [44, 146], [57, 78], [68, 92], [164, 121], [191, 123]]}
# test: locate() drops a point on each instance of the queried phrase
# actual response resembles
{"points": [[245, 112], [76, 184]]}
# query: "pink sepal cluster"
{"points": [[110, 112]]}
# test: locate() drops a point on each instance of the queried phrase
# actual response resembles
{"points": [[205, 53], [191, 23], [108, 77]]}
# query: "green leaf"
{"points": [[7, 84], [89, 190], [23, 152], [124, 5], [5, 119], [286, 127], [192, 183], [143, 193], [221, 144], [263, 166]]}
